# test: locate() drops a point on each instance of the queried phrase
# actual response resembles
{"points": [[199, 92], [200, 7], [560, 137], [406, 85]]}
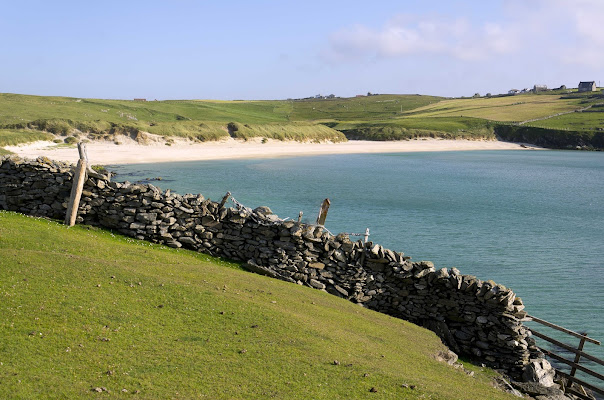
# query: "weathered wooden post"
{"points": [[300, 216], [82, 151], [323, 212], [84, 156], [224, 199], [79, 177], [366, 235], [573, 370]]}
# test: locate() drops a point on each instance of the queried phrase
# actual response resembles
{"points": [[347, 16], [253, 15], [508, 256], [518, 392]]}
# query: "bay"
{"points": [[530, 220]]}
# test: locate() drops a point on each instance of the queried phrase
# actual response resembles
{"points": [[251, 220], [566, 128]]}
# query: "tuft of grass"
{"points": [[83, 310], [13, 137]]}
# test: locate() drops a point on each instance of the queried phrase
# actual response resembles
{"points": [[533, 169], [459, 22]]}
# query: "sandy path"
{"points": [[132, 153]]}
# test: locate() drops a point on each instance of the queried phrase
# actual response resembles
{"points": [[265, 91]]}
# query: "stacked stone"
{"points": [[38, 187], [477, 318]]}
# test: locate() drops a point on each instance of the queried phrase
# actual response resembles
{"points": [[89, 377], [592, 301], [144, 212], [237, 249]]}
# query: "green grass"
{"points": [[381, 117], [358, 108], [591, 119], [410, 128], [13, 137], [508, 108], [83, 309]]}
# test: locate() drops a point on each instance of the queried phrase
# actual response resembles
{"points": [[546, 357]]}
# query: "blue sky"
{"points": [[183, 49]]}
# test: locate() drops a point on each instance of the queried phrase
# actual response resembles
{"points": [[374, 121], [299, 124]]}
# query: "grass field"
{"points": [[381, 117], [89, 314], [592, 119], [508, 108]]}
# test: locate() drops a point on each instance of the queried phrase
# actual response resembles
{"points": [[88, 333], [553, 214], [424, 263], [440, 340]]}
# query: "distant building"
{"points": [[539, 88], [140, 99], [513, 91], [587, 86], [360, 95]]}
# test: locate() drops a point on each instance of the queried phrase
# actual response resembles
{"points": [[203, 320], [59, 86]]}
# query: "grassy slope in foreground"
{"points": [[82, 308]]}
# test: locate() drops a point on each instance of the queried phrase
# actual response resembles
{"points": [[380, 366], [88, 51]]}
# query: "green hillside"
{"points": [[379, 117], [89, 314]]}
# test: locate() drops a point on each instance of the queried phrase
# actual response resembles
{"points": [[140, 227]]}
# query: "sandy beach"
{"points": [[130, 152]]}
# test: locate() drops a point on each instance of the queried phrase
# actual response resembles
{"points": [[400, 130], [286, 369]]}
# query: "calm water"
{"points": [[533, 221]]}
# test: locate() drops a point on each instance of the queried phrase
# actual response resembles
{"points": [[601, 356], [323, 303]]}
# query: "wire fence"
{"points": [[275, 220]]}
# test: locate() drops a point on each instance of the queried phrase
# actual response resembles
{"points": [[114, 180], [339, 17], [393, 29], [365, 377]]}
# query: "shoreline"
{"points": [[131, 152]]}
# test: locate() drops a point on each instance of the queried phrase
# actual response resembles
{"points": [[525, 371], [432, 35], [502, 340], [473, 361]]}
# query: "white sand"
{"points": [[131, 152]]}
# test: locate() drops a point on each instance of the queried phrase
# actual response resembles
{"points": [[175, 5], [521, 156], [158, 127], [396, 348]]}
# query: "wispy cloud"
{"points": [[552, 29]]}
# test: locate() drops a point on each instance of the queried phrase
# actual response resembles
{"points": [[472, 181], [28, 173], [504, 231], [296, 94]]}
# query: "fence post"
{"points": [[79, 177], [323, 213], [89, 171], [573, 370], [224, 199]]}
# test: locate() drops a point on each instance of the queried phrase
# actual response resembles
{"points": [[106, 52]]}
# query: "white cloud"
{"points": [[566, 31], [406, 35]]}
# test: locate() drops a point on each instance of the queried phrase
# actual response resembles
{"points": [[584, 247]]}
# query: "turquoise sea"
{"points": [[530, 220]]}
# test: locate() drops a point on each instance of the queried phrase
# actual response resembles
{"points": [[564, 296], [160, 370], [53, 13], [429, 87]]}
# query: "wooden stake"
{"points": [[224, 199], [84, 156], [82, 151], [300, 216], [79, 177], [366, 235], [323, 213]]}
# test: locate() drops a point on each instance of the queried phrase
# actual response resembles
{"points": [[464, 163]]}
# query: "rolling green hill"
{"points": [[86, 313], [379, 117]]}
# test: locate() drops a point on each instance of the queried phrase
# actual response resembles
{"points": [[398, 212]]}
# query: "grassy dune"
{"points": [[381, 117], [85, 310]]}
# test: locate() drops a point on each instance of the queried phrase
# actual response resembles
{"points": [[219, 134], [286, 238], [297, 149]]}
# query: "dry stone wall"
{"points": [[477, 318]]}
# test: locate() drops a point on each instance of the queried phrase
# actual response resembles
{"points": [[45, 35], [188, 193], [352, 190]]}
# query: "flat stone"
{"points": [[341, 290], [316, 265], [316, 284], [187, 240], [535, 389], [137, 225]]}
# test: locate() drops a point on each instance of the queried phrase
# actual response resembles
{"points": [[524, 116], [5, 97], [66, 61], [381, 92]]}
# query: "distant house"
{"points": [[140, 99], [513, 91], [587, 86], [539, 88]]}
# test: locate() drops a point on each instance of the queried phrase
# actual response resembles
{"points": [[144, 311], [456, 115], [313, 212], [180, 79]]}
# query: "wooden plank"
{"points": [[567, 347], [572, 364], [580, 382], [561, 329], [323, 212], [79, 177]]}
